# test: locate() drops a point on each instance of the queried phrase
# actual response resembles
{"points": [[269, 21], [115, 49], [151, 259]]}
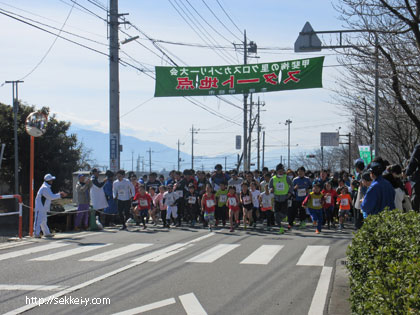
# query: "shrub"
{"points": [[384, 264]]}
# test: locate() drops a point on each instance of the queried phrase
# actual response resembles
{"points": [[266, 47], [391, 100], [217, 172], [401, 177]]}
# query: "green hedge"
{"points": [[384, 264]]}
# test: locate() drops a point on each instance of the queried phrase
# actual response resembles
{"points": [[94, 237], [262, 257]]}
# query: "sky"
{"points": [[73, 81]]}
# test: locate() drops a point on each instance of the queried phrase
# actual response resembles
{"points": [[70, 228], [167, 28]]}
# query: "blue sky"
{"points": [[73, 81]]}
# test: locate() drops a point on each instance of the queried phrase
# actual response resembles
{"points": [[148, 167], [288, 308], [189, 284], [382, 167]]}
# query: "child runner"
{"points": [[330, 195], [221, 209], [267, 200], [344, 201], [159, 204], [208, 204], [154, 209], [192, 205], [246, 201], [144, 203], [255, 193], [171, 201], [233, 205], [314, 203]]}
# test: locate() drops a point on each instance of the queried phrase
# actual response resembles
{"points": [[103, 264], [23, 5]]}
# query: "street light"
{"points": [[308, 41]]}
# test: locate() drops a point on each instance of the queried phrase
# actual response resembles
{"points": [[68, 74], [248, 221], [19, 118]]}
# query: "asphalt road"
{"points": [[181, 271]]}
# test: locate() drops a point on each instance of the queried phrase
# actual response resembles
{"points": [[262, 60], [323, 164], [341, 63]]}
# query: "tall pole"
{"points": [[258, 135], [114, 87], [225, 163], [322, 158], [376, 143], [251, 104], [288, 122], [150, 160], [179, 155], [132, 161], [193, 131], [31, 186], [15, 100], [245, 149], [263, 150], [350, 153]]}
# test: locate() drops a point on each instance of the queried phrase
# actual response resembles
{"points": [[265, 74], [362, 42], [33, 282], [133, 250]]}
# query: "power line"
{"points": [[229, 17], [51, 46]]}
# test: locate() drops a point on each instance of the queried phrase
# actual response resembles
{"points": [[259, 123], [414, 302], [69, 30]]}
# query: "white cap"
{"points": [[48, 177]]}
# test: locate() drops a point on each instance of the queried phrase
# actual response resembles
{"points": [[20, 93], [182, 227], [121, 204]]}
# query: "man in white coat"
{"points": [[42, 206], [97, 194]]}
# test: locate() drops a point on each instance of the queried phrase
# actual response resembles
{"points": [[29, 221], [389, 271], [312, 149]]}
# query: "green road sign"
{"points": [[239, 79]]}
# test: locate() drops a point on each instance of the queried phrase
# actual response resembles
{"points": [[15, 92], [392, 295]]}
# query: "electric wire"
{"points": [[229, 17]]}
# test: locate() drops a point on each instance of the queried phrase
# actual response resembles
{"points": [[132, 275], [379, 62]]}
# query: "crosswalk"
{"points": [[311, 255]]}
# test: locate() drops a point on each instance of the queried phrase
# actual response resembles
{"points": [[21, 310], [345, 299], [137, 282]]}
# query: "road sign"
{"points": [[365, 153], [330, 139], [238, 142], [307, 42]]}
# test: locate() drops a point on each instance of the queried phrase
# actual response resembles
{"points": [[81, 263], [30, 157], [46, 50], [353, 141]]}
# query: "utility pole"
{"points": [[150, 159], [138, 164], [288, 122], [114, 87], [263, 149], [245, 150], [132, 161], [258, 133], [225, 163], [251, 104], [193, 131], [15, 100], [179, 154]]}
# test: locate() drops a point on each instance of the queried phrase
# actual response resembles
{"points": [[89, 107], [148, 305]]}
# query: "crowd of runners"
{"points": [[280, 198]]}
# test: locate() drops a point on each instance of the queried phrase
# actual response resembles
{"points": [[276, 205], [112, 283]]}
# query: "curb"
{"points": [[339, 303]]}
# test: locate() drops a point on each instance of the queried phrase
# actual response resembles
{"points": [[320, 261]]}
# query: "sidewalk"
{"points": [[340, 293]]}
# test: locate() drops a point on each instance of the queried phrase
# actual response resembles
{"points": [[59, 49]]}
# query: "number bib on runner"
{"points": [[210, 203], [121, 193], [222, 198], [246, 200], [344, 202], [328, 199], [192, 200], [179, 193], [143, 203], [280, 186], [301, 192], [232, 202], [266, 203], [316, 202]]}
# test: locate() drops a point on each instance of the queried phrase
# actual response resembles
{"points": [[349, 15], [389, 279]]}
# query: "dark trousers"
{"points": [[269, 216], [221, 213], [163, 216], [415, 197], [280, 211], [181, 210], [124, 210], [329, 214]]}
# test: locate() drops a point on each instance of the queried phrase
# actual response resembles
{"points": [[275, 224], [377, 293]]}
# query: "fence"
{"points": [[19, 198]]}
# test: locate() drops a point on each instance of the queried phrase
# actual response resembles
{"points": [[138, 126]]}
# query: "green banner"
{"points": [[365, 154], [239, 79]]}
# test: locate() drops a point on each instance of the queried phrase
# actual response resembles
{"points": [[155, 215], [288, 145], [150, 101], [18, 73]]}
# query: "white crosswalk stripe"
{"points": [[263, 255], [116, 252], [70, 252], [313, 256], [32, 250], [214, 253]]}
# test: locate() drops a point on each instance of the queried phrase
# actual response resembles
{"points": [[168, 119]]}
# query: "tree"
{"points": [[396, 24], [56, 152]]}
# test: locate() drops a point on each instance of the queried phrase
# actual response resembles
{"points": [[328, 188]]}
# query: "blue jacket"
{"points": [[379, 195], [303, 183], [112, 209]]}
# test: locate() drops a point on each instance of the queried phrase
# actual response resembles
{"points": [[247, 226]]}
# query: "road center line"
{"points": [[148, 307], [30, 287], [97, 279], [320, 295]]}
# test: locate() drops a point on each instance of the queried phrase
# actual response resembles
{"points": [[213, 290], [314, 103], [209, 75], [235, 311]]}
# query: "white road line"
{"points": [[30, 287], [148, 307], [70, 252], [32, 250], [263, 255], [14, 244], [28, 307], [213, 253], [320, 296], [116, 252], [313, 256], [191, 304]]}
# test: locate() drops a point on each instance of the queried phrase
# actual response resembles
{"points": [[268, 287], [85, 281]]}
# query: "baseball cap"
{"points": [[48, 177]]}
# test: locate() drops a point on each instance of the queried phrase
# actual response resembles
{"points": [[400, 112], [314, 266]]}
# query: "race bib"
{"points": [[328, 199], [280, 186], [289, 203], [316, 202], [222, 198], [301, 192], [266, 203], [344, 202], [210, 203], [179, 193], [246, 200], [192, 200], [121, 193], [143, 203], [232, 202]]}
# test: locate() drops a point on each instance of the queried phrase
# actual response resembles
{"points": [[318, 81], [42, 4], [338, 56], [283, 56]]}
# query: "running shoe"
{"points": [[317, 231], [231, 229], [281, 230]]}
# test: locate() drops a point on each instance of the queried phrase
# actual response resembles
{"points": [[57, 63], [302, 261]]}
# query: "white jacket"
{"points": [[45, 191]]}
